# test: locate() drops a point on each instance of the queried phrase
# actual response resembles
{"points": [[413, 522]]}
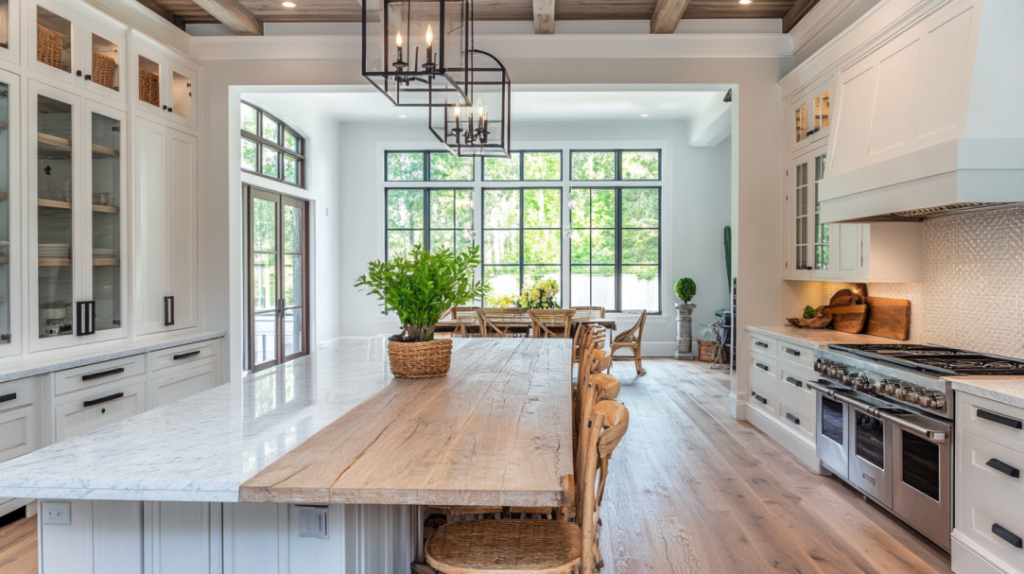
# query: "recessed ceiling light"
{"points": [[643, 115], [292, 4], [403, 116], [745, 1]]}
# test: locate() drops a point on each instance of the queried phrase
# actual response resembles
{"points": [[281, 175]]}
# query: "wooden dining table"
{"points": [[469, 324]]}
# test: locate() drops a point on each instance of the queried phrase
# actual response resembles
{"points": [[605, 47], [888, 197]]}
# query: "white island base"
{"points": [[130, 537]]}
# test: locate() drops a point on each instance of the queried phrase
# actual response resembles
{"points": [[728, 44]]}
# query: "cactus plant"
{"points": [[728, 257], [686, 289]]}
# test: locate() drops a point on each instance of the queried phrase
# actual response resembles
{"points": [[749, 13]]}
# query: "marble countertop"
{"points": [[203, 447], [71, 358], [1006, 390], [820, 338]]}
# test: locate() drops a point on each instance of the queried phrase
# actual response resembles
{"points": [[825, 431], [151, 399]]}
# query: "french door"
{"points": [[277, 277]]}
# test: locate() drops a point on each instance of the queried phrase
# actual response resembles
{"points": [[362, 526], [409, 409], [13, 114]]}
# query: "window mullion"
{"points": [[618, 248], [522, 236], [426, 220]]}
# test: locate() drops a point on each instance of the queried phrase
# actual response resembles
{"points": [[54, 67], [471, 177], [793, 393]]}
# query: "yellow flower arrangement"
{"points": [[541, 295]]}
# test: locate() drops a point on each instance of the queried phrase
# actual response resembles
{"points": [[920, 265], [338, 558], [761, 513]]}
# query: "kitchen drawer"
{"points": [[17, 432], [98, 374], [761, 344], [15, 394], [763, 392], [180, 383], [184, 355], [982, 517], [991, 465], [119, 402], [793, 386], [997, 422], [763, 365], [797, 418], [799, 356]]}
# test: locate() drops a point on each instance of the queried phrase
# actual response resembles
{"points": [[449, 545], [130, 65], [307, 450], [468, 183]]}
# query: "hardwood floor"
{"points": [[693, 491]]}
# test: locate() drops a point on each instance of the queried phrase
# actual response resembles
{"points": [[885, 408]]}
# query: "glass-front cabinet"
{"points": [[76, 184], [809, 241], [10, 246], [810, 115], [10, 30], [165, 86]]}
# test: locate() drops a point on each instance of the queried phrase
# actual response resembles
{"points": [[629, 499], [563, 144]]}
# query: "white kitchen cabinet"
{"points": [[10, 31], [11, 197], [76, 185], [165, 85], [810, 115], [77, 46], [95, 408], [809, 241], [166, 228], [20, 426]]}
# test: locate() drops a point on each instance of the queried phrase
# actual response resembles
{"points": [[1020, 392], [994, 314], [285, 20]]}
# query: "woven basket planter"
{"points": [[103, 68], [49, 46], [707, 352], [420, 360]]}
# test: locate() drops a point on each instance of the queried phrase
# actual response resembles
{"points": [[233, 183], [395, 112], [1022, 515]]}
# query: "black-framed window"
{"points": [[271, 148], [616, 247], [522, 239], [427, 166], [535, 165], [615, 165], [436, 218]]}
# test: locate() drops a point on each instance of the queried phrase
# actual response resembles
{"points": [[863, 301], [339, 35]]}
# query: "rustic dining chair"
{"points": [[501, 321], [630, 340], [530, 546], [464, 313], [552, 323], [589, 312]]}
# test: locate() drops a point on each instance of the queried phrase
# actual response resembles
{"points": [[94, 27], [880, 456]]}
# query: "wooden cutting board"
{"points": [[848, 318], [889, 318]]}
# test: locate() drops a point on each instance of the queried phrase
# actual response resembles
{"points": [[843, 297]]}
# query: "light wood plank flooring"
{"points": [[693, 491]]}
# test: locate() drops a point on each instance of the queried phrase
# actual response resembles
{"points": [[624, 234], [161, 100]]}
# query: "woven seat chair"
{"points": [[589, 313], [630, 340], [552, 323], [502, 321], [527, 546], [463, 313]]}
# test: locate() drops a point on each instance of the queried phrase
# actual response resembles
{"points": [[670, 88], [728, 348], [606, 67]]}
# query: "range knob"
{"points": [[913, 396], [820, 367], [837, 372], [901, 393], [935, 401], [863, 384]]}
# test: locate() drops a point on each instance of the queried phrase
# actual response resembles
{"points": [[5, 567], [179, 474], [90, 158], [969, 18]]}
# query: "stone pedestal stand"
{"points": [[684, 331]]}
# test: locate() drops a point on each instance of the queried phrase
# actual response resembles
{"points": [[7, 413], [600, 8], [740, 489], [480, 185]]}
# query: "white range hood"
{"points": [[931, 121]]}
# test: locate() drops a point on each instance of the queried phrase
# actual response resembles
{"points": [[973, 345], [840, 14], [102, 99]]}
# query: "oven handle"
{"points": [[838, 395]]}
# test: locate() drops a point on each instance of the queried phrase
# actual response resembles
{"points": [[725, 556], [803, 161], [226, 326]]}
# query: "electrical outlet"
{"points": [[313, 522], [57, 513]]}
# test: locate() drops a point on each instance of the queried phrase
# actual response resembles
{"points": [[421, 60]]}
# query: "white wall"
{"points": [[322, 172], [695, 208]]}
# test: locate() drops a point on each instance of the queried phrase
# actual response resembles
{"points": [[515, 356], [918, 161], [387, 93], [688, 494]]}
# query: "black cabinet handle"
{"points": [[793, 419], [79, 73], [1000, 419], [106, 399], [998, 465], [88, 77], [793, 352], [165, 107], [761, 344], [796, 382], [761, 366], [761, 399], [170, 109], [187, 355], [168, 311], [86, 318], [10, 397], [1008, 536], [93, 376]]}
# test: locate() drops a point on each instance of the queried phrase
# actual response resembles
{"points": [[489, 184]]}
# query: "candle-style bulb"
{"points": [[458, 110], [398, 39], [430, 35]]}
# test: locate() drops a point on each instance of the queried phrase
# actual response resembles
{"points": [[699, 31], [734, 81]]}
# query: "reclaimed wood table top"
{"points": [[523, 320], [496, 431]]}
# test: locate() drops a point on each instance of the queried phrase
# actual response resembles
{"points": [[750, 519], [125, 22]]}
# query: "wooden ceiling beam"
{"points": [[163, 13], [799, 9], [232, 14], [543, 16], [666, 16]]}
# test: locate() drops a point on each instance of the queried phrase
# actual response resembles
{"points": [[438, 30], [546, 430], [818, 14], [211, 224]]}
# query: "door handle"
{"points": [[168, 311], [105, 399], [102, 374], [995, 463], [1000, 419], [86, 318], [1008, 536]]}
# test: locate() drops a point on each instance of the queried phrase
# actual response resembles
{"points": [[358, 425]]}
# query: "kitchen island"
{"points": [[172, 490]]}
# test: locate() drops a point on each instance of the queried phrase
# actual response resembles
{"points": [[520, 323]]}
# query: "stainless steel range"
{"points": [[885, 424]]}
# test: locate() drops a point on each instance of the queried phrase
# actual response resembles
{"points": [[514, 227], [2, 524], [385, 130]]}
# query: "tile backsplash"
{"points": [[973, 290]]}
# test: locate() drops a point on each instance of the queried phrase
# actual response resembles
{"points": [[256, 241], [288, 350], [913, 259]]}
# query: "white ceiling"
{"points": [[527, 106]]}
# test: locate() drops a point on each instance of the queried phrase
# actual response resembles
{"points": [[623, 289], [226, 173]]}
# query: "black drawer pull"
{"points": [[796, 382], [106, 399], [116, 371], [993, 462], [793, 352], [997, 418], [761, 399], [761, 344], [187, 355], [1008, 536], [793, 419], [10, 397], [761, 366]]}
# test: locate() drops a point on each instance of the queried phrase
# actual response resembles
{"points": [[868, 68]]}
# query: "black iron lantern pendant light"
{"points": [[483, 128]]}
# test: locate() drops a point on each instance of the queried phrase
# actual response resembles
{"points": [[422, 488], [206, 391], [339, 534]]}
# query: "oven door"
{"points": [[871, 455], [831, 435], [922, 480]]}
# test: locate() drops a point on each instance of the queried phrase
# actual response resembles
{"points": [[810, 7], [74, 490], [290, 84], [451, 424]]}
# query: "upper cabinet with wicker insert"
{"points": [[165, 84], [78, 47]]}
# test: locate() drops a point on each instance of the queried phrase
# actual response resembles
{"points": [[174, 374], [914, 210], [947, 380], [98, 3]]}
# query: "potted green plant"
{"points": [[419, 288], [685, 289]]}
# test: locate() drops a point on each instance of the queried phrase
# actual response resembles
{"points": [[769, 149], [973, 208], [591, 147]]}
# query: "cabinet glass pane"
{"points": [[105, 61], [822, 233], [181, 95], [5, 212], [54, 217], [149, 81], [5, 25], [53, 39], [106, 221]]}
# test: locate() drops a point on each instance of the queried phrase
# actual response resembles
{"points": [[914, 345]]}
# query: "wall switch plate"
{"points": [[313, 522], [57, 513]]}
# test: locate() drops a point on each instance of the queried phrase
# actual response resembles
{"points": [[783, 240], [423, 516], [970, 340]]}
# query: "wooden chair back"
{"points": [[467, 312], [552, 323], [608, 423], [499, 321], [634, 335], [589, 312]]}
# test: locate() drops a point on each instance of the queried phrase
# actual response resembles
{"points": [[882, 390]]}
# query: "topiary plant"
{"points": [[686, 289], [808, 312]]}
